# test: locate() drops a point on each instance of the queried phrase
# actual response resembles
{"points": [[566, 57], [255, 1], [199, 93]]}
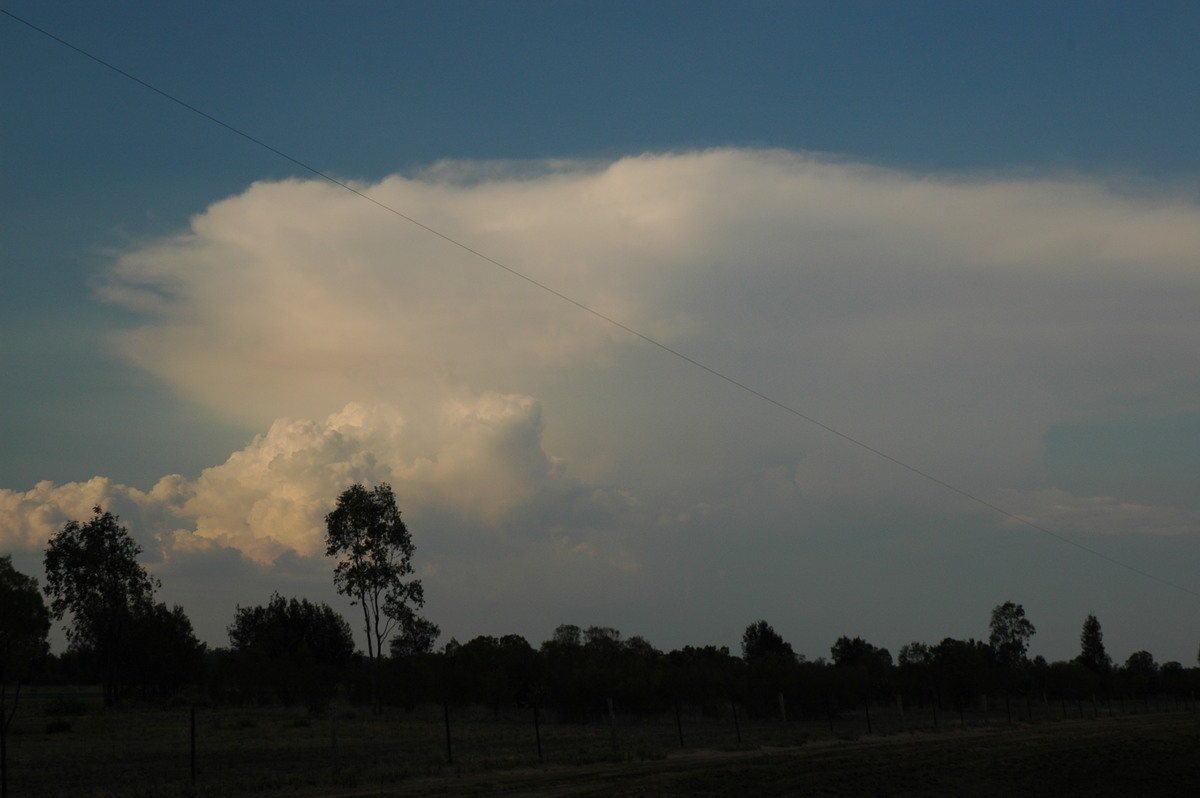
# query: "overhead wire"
{"points": [[609, 319]]}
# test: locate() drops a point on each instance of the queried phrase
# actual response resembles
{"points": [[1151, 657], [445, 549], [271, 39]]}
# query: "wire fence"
{"points": [[67, 744]]}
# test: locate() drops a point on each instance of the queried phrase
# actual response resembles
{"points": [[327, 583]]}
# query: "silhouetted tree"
{"points": [[1172, 679], [761, 640], [418, 637], [24, 624], [849, 653], [564, 671], [1010, 634], [1140, 673], [292, 649], [961, 669], [1092, 654], [166, 655], [863, 669], [92, 573], [703, 675], [374, 550], [915, 662], [493, 671], [567, 635]]}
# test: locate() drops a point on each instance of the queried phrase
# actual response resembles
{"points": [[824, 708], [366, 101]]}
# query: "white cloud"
{"points": [[270, 498], [1085, 516], [946, 321]]}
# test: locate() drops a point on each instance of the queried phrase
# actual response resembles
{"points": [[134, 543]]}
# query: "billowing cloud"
{"points": [[270, 498], [947, 321]]}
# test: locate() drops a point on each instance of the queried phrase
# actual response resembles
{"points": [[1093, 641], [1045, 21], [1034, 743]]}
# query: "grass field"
{"points": [[66, 745]]}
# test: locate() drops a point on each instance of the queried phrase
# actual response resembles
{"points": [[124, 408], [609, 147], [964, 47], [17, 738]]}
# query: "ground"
{"points": [[1155, 754]]}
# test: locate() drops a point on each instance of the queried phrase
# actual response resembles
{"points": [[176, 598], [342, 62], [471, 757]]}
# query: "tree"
{"points": [[292, 649], [854, 653], [24, 624], [374, 550], [92, 573], [1010, 633], [1141, 663], [863, 668], [417, 638], [1092, 654], [961, 668], [761, 640], [167, 657]]}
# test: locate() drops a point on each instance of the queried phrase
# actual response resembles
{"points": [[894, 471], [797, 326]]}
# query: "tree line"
{"points": [[293, 651]]}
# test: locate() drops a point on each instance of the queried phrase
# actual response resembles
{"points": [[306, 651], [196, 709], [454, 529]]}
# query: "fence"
{"points": [[74, 747]]}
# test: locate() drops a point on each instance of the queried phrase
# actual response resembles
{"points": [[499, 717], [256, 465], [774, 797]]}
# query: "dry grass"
{"points": [[70, 746]]}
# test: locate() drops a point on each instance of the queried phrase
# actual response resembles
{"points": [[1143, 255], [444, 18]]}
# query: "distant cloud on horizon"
{"points": [[948, 321]]}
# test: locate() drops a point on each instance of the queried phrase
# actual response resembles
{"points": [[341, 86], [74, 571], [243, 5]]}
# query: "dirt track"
{"points": [[1155, 755]]}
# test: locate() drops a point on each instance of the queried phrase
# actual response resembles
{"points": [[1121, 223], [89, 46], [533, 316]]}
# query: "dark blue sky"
{"points": [[1088, 111]]}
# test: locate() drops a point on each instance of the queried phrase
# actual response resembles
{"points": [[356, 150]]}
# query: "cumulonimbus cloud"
{"points": [[296, 297], [946, 320], [270, 498]]}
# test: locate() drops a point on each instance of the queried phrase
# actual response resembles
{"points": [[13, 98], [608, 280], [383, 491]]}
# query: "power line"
{"points": [[608, 319]]}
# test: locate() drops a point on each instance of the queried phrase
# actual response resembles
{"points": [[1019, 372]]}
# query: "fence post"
{"points": [[449, 745], [612, 724], [737, 728], [537, 730], [679, 724], [193, 745]]}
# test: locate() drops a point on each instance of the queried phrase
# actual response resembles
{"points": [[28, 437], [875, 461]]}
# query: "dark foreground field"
{"points": [[66, 748], [1155, 755]]}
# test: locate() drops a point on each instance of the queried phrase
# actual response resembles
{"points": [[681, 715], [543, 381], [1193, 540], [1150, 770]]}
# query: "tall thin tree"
{"points": [[1091, 642], [374, 550]]}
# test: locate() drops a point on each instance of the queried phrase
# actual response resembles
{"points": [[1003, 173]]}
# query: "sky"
{"points": [[860, 318]]}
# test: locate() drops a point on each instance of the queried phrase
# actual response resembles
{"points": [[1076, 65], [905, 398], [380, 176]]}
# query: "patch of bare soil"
{"points": [[1137, 755]]}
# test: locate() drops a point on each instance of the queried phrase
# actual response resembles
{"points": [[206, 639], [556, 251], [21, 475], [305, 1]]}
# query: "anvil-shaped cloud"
{"points": [[947, 320]]}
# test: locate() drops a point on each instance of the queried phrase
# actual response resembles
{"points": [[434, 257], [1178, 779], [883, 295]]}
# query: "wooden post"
{"points": [[333, 730], [4, 741], [679, 724], [449, 745], [737, 728], [867, 706], [193, 752], [900, 709], [612, 724], [537, 731], [782, 709]]}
